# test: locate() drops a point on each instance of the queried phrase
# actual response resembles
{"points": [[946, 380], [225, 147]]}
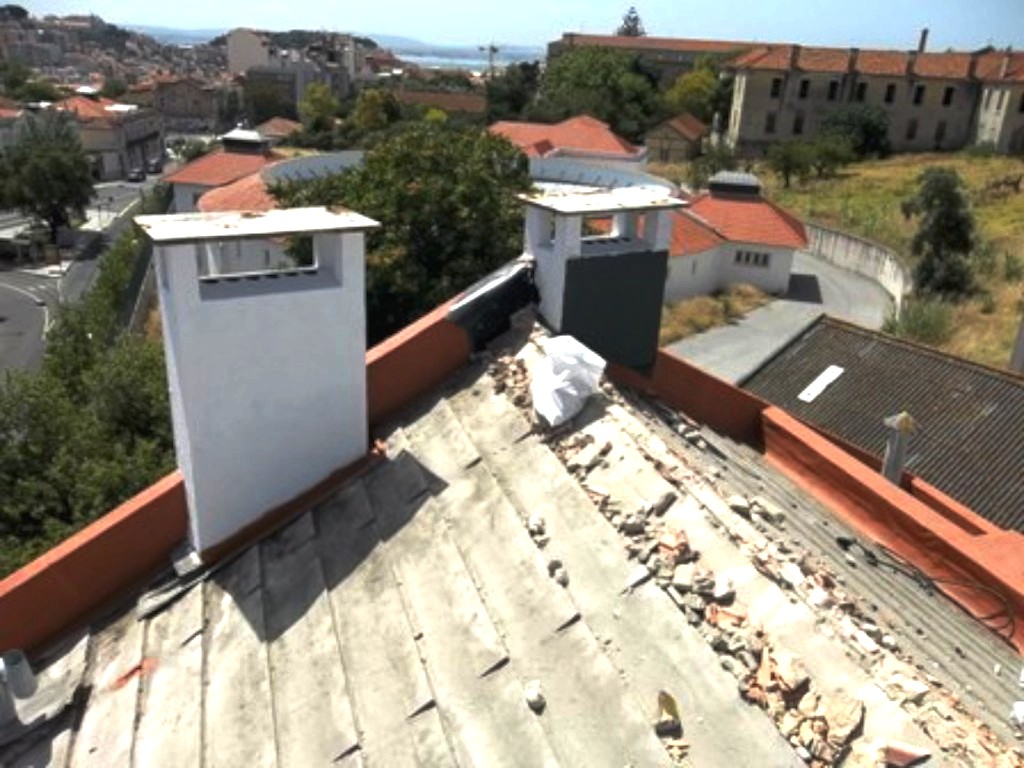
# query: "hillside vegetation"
{"points": [[866, 200]]}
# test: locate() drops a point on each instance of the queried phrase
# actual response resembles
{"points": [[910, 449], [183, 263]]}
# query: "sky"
{"points": [[962, 24]]}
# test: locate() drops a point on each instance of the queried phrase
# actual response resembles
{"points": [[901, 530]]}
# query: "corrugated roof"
{"points": [[749, 219], [970, 441], [580, 134], [219, 168]]}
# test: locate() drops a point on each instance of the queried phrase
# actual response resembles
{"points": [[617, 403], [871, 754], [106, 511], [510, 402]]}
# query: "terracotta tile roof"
{"points": [[691, 235], [86, 108], [822, 59], [682, 45], [764, 57], [952, 66], [687, 126], [990, 67], [247, 194], [278, 128], [577, 134], [892, 63], [472, 103], [219, 168], [751, 219]]}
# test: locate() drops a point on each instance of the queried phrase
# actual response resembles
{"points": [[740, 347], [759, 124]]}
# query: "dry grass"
{"points": [[865, 200], [153, 327], [700, 313]]}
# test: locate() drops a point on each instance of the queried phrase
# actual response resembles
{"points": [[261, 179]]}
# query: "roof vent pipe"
{"points": [[901, 427], [16, 680], [922, 41]]}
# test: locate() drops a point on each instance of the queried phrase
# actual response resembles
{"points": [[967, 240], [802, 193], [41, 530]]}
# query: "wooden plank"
{"points": [[650, 640], [536, 618], [238, 718], [107, 730], [479, 691], [312, 713], [391, 695], [170, 725]]}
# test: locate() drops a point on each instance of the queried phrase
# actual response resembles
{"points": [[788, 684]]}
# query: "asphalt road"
{"points": [[29, 299], [732, 352]]}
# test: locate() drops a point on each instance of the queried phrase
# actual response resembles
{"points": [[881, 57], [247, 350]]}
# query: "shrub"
{"points": [[1013, 268], [928, 321]]}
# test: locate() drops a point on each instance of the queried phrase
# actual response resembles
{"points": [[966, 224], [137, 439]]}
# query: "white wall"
{"points": [[716, 269], [186, 195], [863, 257], [550, 256], [246, 49], [267, 380]]}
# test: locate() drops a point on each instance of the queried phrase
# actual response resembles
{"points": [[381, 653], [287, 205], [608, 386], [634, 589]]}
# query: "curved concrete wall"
{"points": [[863, 257], [593, 174]]}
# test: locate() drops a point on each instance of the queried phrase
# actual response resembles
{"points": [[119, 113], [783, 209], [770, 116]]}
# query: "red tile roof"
{"points": [[836, 60], [990, 66], [892, 63], [682, 45], [278, 128], [247, 194], [577, 134], [947, 65], [745, 219], [691, 235], [951, 66], [449, 101], [85, 107], [219, 168], [687, 126]]}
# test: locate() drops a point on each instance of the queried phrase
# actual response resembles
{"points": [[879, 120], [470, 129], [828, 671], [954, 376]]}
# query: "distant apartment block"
{"points": [[116, 137]]}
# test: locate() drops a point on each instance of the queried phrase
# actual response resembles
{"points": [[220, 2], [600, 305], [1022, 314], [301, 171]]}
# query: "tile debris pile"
{"points": [[825, 728]]}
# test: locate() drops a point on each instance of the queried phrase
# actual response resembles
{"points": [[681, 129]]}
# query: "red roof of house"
{"points": [[85, 107], [579, 134], [680, 44], [278, 127], [947, 65], [691, 235], [247, 194], [990, 66], [219, 168], [687, 126], [748, 219]]}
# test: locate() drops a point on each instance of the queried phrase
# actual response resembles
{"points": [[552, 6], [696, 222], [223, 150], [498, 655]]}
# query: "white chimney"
{"points": [[266, 366]]}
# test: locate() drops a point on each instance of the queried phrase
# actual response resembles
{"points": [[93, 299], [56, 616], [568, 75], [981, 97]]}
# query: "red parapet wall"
{"points": [[412, 362], [63, 586], [948, 542], [700, 395]]}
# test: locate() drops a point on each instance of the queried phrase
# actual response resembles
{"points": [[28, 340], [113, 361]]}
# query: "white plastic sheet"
{"points": [[568, 374]]}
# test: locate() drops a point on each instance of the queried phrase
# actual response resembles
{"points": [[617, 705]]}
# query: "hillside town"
{"points": [[637, 399]]}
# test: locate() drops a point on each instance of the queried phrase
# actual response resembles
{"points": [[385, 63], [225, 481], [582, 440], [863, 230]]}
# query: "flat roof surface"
{"points": [[603, 201], [188, 227], [404, 621]]}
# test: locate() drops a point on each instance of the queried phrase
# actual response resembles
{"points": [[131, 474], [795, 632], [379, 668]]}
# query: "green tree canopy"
{"points": [[510, 93], [631, 25], [46, 173], [945, 235], [318, 107], [718, 157], [446, 199], [375, 110], [264, 101], [790, 158], [601, 82], [864, 126], [113, 87], [694, 92]]}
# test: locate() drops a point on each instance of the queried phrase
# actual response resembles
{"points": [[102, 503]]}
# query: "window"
{"points": [[798, 123], [776, 87], [769, 123], [1002, 98], [947, 95], [805, 88], [833, 90], [890, 93], [988, 98], [912, 129], [1020, 108], [861, 93], [752, 258], [663, 154], [940, 132], [918, 94]]}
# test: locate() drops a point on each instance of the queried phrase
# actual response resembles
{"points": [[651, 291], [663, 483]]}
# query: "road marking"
{"points": [[35, 300]]}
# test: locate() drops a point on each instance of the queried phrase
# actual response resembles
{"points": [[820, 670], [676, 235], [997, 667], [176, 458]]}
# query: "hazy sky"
{"points": [[888, 23]]}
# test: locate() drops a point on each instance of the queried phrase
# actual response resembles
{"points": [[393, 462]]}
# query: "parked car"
{"points": [[137, 174], [154, 165]]}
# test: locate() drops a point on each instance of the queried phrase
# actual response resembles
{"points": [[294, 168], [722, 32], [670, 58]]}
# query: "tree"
{"points": [[631, 25], [511, 92], [46, 173], [193, 149], [694, 92], [263, 101], [113, 87], [601, 82], [318, 107], [790, 158], [375, 110], [446, 199], [865, 126], [719, 157], [945, 234], [830, 152]]}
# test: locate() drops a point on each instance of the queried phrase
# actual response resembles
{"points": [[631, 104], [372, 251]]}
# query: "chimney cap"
{"points": [[239, 225], [603, 201]]}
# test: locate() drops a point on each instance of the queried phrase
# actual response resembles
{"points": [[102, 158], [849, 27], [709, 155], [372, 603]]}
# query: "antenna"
{"points": [[491, 50]]}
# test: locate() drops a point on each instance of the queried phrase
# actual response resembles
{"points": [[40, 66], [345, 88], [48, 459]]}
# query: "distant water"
{"points": [[468, 64]]}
